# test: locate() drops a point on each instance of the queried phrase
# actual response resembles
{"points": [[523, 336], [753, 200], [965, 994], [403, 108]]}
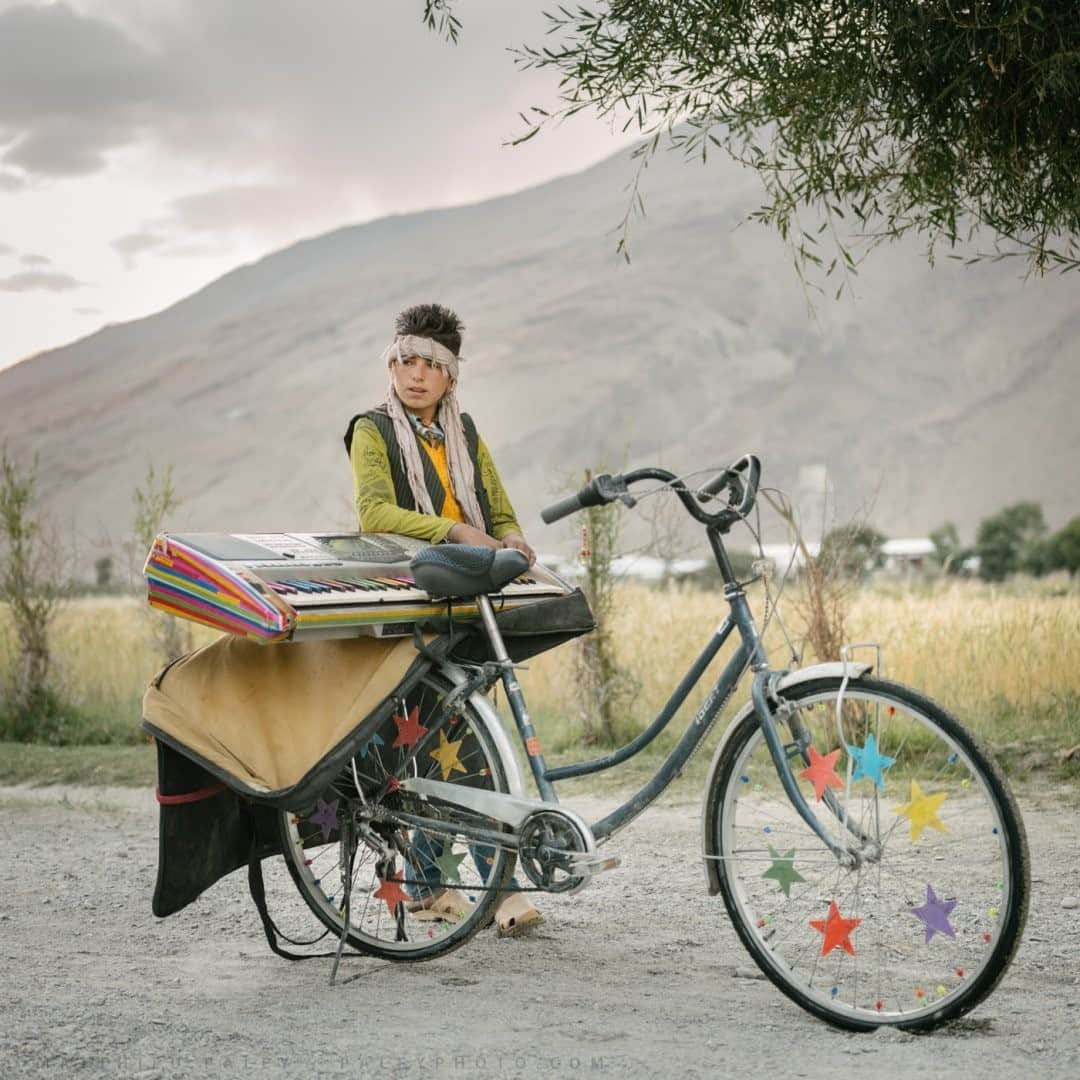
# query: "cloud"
{"points": [[132, 245], [39, 281], [11, 181], [352, 103], [71, 88], [6, 249], [31, 259], [88, 311], [249, 207]]}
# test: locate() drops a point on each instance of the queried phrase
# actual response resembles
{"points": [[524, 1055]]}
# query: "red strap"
{"points": [[191, 796]]}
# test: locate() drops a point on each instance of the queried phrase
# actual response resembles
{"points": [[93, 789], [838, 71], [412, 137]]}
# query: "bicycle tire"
{"points": [[382, 922], [913, 937]]}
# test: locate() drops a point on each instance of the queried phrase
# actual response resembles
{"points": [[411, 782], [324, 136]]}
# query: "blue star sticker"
{"points": [[869, 763], [375, 740]]}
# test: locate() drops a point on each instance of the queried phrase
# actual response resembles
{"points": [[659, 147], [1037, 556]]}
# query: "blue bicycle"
{"points": [[865, 846]]}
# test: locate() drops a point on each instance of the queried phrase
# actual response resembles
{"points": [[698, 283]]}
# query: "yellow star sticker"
{"points": [[447, 756], [922, 811]]}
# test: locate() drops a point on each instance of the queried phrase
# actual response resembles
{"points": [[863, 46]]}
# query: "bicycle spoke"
{"points": [[401, 867], [927, 905]]}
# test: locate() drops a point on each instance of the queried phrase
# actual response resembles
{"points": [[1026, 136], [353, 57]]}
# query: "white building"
{"points": [[907, 557]]}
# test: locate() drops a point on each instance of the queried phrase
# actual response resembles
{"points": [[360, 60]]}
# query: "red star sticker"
{"points": [[837, 930], [392, 892], [821, 772], [409, 729]]}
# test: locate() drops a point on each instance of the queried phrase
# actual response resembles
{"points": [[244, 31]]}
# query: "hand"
{"points": [[518, 543]]}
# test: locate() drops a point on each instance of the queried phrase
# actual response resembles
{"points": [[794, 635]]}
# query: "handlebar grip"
{"points": [[563, 508], [753, 478], [741, 479], [715, 485], [602, 489]]}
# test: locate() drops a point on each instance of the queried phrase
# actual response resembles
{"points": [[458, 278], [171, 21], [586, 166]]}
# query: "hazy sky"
{"points": [[148, 146]]}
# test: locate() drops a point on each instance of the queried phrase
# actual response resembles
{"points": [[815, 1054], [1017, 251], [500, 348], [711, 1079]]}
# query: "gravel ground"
{"points": [[639, 976]]}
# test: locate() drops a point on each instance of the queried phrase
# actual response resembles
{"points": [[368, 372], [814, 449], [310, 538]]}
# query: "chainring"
{"points": [[548, 841]]}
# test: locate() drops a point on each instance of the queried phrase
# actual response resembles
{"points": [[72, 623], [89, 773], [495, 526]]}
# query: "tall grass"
{"points": [[103, 655], [1005, 660]]}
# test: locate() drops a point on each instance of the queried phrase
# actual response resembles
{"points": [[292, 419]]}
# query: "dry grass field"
{"points": [[1005, 659]]}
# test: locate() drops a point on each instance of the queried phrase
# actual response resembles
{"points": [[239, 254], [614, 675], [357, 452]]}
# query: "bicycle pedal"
{"points": [[592, 862]]}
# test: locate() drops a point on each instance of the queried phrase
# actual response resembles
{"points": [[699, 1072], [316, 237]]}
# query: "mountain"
{"points": [[940, 393]]}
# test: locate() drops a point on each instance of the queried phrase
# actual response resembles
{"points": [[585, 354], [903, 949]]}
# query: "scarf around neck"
{"points": [[448, 417]]}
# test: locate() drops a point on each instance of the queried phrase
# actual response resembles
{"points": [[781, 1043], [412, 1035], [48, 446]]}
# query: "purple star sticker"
{"points": [[326, 818], [935, 914]]}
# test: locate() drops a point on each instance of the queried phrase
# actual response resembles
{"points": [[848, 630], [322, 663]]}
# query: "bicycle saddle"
{"points": [[464, 570]]}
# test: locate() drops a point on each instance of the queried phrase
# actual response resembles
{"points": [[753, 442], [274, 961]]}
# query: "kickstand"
{"points": [[351, 848]]}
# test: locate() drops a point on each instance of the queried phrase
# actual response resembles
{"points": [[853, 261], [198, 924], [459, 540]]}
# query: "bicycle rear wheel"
{"points": [[416, 893], [924, 922]]}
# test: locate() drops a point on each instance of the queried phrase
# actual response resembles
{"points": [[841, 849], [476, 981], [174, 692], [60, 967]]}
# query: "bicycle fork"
{"points": [[782, 757]]}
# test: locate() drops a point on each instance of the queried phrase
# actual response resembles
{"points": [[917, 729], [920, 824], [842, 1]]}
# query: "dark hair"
{"points": [[432, 321]]}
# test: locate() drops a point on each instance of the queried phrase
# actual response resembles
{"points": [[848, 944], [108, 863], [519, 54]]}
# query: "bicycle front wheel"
{"points": [[414, 892], [919, 921]]}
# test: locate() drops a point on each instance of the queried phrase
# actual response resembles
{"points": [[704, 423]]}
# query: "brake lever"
{"points": [[610, 488]]}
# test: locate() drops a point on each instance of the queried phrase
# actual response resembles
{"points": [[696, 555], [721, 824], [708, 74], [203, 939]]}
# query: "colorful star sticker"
{"points": [[410, 730], [837, 930], [392, 891], [922, 811], [935, 914], [375, 740], [447, 756], [822, 772], [783, 870], [449, 865], [870, 763], [326, 817]]}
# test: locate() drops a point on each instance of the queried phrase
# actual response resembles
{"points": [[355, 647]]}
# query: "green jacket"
{"points": [[377, 505]]}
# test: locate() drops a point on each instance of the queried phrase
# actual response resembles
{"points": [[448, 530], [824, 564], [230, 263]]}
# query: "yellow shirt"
{"points": [[451, 508]]}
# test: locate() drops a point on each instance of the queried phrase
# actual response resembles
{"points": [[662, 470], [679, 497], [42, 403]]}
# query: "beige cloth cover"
{"points": [[266, 714]]}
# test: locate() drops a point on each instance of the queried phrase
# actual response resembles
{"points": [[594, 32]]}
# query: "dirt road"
{"points": [[640, 976]]}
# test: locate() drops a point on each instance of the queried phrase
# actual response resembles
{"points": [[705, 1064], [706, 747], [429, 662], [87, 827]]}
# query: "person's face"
{"points": [[420, 384]]}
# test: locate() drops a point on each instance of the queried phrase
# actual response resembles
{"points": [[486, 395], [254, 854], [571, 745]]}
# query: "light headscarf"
{"points": [[448, 415]]}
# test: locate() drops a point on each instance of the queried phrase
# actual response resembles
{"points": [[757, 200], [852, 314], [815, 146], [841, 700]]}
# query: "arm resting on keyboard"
{"points": [[376, 504]]}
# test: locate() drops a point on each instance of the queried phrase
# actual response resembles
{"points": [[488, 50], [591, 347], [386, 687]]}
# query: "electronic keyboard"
{"points": [[292, 586]]}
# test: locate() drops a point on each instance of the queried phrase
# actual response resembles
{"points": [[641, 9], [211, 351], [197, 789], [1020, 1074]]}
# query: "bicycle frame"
{"points": [[749, 653]]}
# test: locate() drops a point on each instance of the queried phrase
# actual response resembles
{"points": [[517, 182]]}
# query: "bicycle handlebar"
{"points": [[606, 488], [601, 489], [743, 492], [563, 508]]}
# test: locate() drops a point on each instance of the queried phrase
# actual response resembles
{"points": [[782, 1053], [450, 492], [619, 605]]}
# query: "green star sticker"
{"points": [[782, 870], [449, 865]]}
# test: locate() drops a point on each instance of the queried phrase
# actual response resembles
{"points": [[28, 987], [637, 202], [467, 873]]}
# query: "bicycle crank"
{"points": [[557, 851], [555, 846]]}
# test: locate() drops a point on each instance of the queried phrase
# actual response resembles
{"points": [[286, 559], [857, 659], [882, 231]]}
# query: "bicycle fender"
{"points": [[833, 670], [493, 722]]}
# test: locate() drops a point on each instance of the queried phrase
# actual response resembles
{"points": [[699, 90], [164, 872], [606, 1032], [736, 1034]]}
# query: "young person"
{"points": [[421, 469]]}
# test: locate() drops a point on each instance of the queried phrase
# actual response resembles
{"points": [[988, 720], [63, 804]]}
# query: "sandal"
{"points": [[515, 916], [447, 905]]}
